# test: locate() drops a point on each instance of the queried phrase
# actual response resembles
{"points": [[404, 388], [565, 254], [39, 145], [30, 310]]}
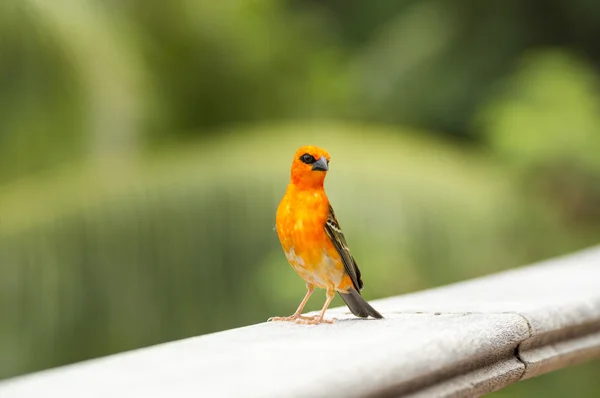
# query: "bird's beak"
{"points": [[320, 165]]}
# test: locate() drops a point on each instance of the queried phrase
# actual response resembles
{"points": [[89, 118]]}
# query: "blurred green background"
{"points": [[144, 146]]}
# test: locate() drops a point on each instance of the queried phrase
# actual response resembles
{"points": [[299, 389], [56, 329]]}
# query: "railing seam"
{"points": [[518, 347]]}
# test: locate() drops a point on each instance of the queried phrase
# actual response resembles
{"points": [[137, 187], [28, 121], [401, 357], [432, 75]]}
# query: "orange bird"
{"points": [[313, 241]]}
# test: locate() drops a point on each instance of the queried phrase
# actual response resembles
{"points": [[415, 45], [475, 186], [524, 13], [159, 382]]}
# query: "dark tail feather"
{"points": [[358, 305]]}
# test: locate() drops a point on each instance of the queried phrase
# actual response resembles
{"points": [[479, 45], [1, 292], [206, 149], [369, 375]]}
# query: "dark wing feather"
{"points": [[332, 227]]}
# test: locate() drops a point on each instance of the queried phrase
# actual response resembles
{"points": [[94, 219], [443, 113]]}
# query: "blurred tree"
{"points": [[218, 63], [32, 76], [71, 85], [430, 63], [545, 122], [130, 72]]}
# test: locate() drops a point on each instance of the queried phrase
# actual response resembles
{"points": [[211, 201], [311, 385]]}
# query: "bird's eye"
{"points": [[308, 159]]}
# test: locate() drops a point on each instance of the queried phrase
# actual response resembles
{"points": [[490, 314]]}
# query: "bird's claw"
{"points": [[291, 318], [300, 319], [307, 317], [281, 319], [314, 321]]}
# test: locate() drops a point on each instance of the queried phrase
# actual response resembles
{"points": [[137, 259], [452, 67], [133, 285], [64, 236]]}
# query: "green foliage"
{"points": [[67, 67], [430, 63], [547, 112], [33, 73], [216, 63], [105, 78], [545, 124]]}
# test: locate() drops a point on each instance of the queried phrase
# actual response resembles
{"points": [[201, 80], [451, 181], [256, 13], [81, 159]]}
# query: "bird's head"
{"points": [[310, 166]]}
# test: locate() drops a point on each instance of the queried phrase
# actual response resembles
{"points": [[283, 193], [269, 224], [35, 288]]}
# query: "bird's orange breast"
{"points": [[300, 224]]}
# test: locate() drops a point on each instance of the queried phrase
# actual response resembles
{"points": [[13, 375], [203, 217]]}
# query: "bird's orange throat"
{"points": [[308, 180]]}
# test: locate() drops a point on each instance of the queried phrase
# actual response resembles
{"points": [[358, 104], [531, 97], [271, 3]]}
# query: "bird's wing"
{"points": [[332, 227]]}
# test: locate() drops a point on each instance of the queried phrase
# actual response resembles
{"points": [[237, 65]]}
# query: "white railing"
{"points": [[465, 339]]}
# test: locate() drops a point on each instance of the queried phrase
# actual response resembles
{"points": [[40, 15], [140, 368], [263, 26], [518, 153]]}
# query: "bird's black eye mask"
{"points": [[322, 164], [307, 158]]}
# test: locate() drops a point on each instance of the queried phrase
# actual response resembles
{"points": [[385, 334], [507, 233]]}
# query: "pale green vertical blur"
{"points": [[144, 146]]}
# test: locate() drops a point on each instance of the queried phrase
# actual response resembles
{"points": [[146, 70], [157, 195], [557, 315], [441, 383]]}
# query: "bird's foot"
{"points": [[307, 317], [293, 318], [314, 321], [282, 319]]}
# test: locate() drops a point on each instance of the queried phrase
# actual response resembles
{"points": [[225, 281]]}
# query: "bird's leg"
{"points": [[298, 313], [319, 318]]}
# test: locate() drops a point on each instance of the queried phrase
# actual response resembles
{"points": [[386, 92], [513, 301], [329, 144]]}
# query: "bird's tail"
{"points": [[358, 305]]}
